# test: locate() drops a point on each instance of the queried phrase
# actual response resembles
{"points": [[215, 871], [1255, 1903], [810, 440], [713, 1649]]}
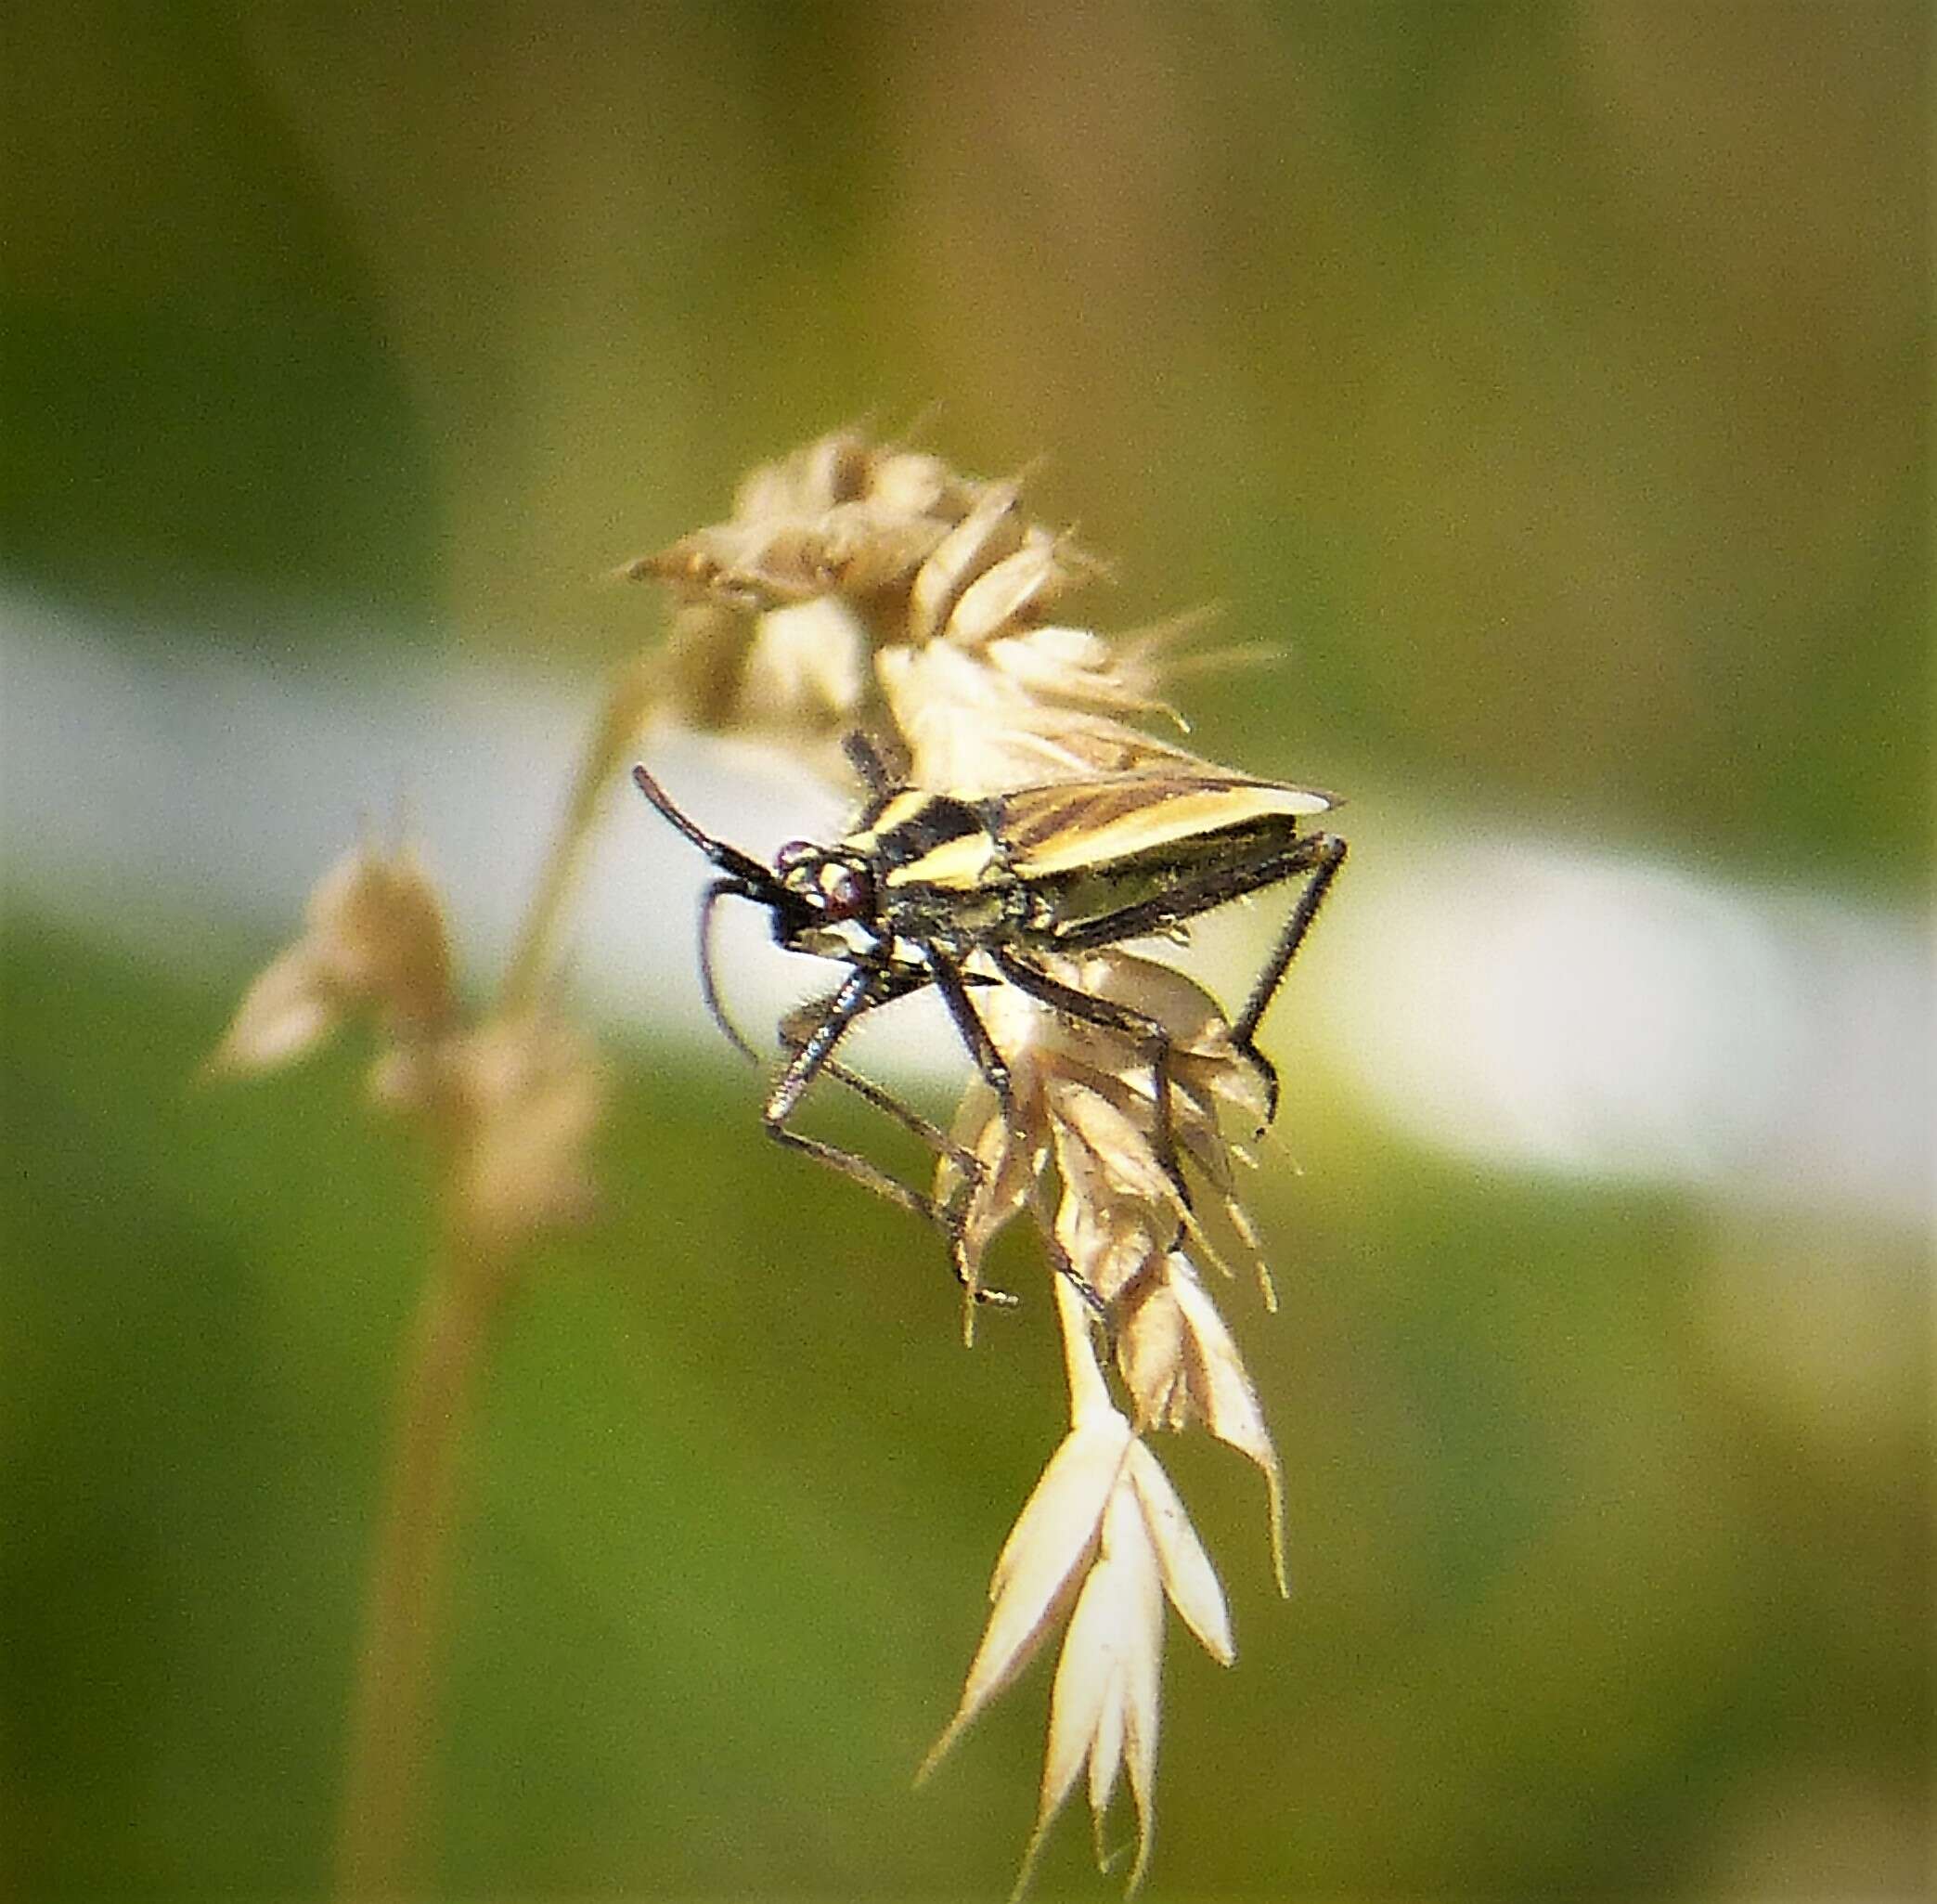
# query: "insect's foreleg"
{"points": [[975, 1033], [863, 1088], [811, 1058], [889, 1106], [1328, 855]]}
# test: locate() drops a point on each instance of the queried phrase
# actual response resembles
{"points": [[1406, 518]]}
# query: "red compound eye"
{"points": [[846, 893], [795, 853]]}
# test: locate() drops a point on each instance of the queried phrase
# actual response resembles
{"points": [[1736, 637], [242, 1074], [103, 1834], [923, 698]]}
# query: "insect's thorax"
{"points": [[937, 867]]}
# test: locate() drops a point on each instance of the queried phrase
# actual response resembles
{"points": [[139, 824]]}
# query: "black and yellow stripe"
{"points": [[942, 843]]}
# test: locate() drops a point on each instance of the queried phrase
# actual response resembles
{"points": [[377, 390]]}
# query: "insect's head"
{"points": [[811, 890], [826, 886]]}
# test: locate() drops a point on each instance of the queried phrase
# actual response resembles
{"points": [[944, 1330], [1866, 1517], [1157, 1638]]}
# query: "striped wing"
{"points": [[1078, 826]]}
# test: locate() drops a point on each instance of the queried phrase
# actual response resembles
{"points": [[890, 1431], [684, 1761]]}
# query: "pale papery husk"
{"points": [[926, 563], [373, 941], [1106, 1702], [1011, 591], [969, 727], [524, 1097], [1080, 1097], [1105, 1540], [1042, 1565], [1180, 1364], [1079, 668]]}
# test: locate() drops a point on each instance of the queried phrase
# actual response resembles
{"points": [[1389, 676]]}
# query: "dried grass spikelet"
{"points": [[984, 722], [863, 584], [373, 940], [515, 1103], [1104, 1540], [1082, 1109], [512, 1102], [1084, 1097]]}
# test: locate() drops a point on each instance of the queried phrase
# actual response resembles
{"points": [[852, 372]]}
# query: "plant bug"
{"points": [[955, 891]]}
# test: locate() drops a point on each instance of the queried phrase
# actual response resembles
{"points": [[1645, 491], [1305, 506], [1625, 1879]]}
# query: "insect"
{"points": [[956, 892]]}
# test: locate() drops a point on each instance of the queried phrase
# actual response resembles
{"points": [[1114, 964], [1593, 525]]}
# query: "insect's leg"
{"points": [[989, 1061], [809, 1059], [863, 1088], [1155, 1043], [1059, 1261], [890, 986], [813, 1056], [950, 982], [968, 1022], [864, 757], [1152, 1039], [891, 1107], [1330, 855], [911, 1119]]}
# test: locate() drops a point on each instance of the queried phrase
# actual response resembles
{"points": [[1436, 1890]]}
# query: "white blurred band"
{"points": [[1548, 1009]]}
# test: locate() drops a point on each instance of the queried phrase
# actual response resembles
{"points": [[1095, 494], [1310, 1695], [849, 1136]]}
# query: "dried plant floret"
{"points": [[1180, 1362], [1081, 1095], [520, 1100], [1084, 1101], [921, 563], [373, 940], [1104, 1539], [1042, 1562], [512, 1102], [970, 723]]}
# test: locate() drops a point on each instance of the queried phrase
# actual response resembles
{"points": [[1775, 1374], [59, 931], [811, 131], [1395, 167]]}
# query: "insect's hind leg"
{"points": [[1327, 854], [944, 1216]]}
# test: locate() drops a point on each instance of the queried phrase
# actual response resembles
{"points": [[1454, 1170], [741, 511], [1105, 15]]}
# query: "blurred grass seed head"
{"points": [[863, 586]]}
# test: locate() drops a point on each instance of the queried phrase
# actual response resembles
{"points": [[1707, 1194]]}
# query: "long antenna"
{"points": [[709, 985], [759, 882]]}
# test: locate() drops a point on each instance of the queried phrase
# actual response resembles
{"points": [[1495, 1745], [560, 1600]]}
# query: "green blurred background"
{"points": [[1552, 381]]}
